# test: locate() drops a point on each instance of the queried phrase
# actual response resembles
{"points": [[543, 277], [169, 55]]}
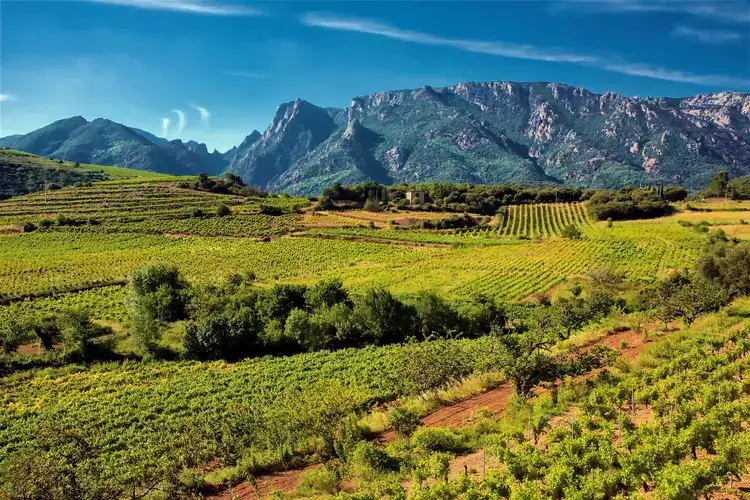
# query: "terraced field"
{"points": [[154, 206]]}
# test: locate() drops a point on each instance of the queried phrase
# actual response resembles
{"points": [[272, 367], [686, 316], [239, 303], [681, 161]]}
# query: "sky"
{"points": [[214, 70]]}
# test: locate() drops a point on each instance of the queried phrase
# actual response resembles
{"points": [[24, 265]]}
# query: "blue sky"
{"points": [[214, 70]]}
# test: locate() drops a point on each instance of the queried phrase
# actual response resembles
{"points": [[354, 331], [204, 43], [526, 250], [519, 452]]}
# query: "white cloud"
{"points": [[519, 51], [181, 121], [205, 115], [206, 7], [165, 126], [244, 74], [638, 69], [493, 48], [729, 11], [7, 97], [706, 36]]}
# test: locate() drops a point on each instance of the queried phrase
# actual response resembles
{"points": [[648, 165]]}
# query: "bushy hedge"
{"points": [[627, 203]]}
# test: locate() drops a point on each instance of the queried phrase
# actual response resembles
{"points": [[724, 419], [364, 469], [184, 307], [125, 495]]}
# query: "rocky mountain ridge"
{"points": [[491, 132], [480, 132]]}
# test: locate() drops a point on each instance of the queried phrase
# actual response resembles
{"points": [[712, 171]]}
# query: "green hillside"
{"points": [[24, 173]]}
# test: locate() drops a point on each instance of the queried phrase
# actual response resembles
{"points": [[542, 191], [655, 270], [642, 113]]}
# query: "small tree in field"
{"points": [[223, 210], [687, 297], [571, 231]]}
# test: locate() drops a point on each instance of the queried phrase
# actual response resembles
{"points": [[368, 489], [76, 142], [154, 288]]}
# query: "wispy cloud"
{"points": [[205, 115], [205, 7], [493, 48], [7, 97], [728, 11], [245, 74], [706, 36], [181, 121], [518, 51], [165, 126], [640, 69]]}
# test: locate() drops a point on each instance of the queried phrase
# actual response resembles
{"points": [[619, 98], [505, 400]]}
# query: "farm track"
{"points": [[452, 415]]}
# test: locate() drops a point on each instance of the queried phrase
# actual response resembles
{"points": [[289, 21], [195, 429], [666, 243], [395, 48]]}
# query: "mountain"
{"points": [[243, 148], [151, 137], [490, 132], [105, 142]]}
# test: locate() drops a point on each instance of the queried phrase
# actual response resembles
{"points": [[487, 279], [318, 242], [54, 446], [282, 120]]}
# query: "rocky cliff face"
{"points": [[503, 131]]}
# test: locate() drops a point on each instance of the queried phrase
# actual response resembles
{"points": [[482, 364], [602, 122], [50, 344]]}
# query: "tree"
{"points": [[326, 293], [164, 288], [435, 315], [717, 188], [727, 265], [299, 327], [77, 333], [223, 210], [13, 333], [384, 319], [571, 231], [524, 360], [675, 193], [570, 315], [687, 297]]}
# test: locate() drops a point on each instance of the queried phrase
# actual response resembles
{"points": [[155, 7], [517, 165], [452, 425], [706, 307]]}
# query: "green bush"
{"points": [[223, 210], [321, 480], [404, 420], [439, 439]]}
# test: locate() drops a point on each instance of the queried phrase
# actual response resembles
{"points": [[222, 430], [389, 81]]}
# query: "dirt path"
{"points": [[629, 343], [286, 482]]}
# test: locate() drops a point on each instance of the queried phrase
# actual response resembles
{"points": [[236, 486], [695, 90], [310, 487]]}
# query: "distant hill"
{"points": [[24, 173], [502, 131], [106, 142]]}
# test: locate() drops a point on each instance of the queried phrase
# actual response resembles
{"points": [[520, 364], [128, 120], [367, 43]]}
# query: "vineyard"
{"points": [[542, 220], [159, 422], [152, 206], [149, 418]]}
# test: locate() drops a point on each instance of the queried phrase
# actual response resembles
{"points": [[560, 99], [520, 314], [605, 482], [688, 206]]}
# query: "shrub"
{"points": [[439, 439], [404, 420], [29, 227], [63, 220], [223, 210], [372, 206], [46, 223], [571, 231], [12, 334], [324, 203], [367, 456], [675, 193], [271, 210], [77, 333], [197, 213], [319, 480]]}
